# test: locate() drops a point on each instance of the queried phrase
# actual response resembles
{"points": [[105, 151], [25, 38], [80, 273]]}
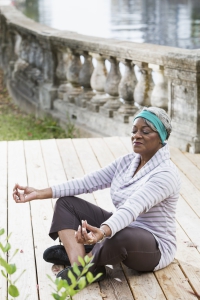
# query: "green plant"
{"points": [[7, 268], [63, 290]]}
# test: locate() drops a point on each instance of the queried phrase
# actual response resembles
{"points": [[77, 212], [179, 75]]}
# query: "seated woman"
{"points": [[144, 187]]}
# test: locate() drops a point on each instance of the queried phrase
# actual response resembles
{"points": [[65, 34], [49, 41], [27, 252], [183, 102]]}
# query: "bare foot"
{"points": [[56, 269]]}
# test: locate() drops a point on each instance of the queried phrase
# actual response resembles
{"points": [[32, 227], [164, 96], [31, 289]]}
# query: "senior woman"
{"points": [[144, 187]]}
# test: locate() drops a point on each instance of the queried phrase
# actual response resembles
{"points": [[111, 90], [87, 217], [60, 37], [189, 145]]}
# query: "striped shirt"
{"points": [[147, 200]]}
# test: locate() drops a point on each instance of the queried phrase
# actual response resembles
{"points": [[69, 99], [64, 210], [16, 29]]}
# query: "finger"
{"points": [[20, 187], [85, 234], [79, 236], [90, 228]]}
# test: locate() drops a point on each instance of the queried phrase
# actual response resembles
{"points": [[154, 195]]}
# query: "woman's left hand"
{"points": [[82, 237]]}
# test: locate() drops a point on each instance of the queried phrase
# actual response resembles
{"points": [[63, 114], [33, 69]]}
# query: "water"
{"points": [[164, 22]]}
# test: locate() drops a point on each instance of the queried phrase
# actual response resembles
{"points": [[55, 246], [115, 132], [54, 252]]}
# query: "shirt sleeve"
{"points": [[97, 180], [158, 188]]}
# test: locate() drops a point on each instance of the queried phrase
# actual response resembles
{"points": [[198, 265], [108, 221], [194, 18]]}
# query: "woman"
{"points": [[145, 186]]}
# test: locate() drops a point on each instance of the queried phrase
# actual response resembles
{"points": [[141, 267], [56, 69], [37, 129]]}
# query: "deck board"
{"points": [[48, 162]]}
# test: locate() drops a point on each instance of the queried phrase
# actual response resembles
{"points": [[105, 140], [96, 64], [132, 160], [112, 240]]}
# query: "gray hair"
{"points": [[163, 116]]}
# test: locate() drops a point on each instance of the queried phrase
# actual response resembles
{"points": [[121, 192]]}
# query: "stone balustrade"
{"points": [[66, 74]]}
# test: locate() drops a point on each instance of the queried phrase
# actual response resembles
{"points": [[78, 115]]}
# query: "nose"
{"points": [[137, 135]]}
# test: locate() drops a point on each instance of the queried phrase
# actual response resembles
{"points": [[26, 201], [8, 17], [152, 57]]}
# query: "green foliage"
{"points": [[64, 290], [7, 268], [17, 125]]}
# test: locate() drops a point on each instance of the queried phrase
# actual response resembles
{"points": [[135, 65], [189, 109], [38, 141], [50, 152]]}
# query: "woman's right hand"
{"points": [[23, 194]]}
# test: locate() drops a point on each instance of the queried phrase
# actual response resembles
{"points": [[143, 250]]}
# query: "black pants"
{"points": [[135, 247]]}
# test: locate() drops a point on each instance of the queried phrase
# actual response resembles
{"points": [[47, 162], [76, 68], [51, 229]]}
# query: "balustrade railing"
{"points": [[62, 72]]}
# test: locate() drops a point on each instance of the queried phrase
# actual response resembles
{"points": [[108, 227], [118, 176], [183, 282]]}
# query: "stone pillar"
{"points": [[159, 95], [84, 80], [61, 72], [111, 88], [126, 90], [73, 70], [184, 107], [97, 82], [143, 86]]}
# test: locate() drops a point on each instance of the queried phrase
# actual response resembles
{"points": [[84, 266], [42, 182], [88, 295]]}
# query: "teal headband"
{"points": [[155, 121]]}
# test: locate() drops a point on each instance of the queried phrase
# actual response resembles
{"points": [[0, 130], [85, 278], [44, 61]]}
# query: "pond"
{"points": [[164, 22]]}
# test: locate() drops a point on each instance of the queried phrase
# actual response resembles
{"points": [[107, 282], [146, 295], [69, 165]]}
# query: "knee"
{"points": [[63, 202]]}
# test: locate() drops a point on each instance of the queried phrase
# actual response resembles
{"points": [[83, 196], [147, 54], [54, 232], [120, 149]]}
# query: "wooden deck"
{"points": [[47, 162]]}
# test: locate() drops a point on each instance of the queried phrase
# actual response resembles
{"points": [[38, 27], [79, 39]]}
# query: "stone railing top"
{"points": [[169, 57]]}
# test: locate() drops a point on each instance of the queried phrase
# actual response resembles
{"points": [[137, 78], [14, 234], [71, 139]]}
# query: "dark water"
{"points": [[165, 22]]}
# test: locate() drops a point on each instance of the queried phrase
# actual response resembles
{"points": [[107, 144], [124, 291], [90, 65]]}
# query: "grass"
{"points": [[17, 125]]}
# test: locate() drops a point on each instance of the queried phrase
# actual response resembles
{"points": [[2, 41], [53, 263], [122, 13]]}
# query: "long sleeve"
{"points": [[158, 188], [91, 182]]}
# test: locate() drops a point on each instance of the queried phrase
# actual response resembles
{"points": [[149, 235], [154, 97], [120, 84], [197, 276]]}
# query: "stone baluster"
{"points": [[19, 64], [126, 90], [84, 80], [184, 105], [98, 80], [73, 70], [61, 72], [159, 96], [143, 87], [111, 88]]}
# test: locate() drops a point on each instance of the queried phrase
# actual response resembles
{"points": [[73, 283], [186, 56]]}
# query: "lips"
{"points": [[137, 143]]}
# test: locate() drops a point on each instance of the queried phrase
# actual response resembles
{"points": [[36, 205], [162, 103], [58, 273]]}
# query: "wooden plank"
{"points": [[91, 292], [116, 285], [116, 146], [190, 193], [194, 158], [189, 221], [71, 164], [41, 212], [185, 165], [53, 163], [189, 259], [56, 174], [174, 284], [97, 154], [127, 143], [3, 210], [19, 223], [144, 285]]}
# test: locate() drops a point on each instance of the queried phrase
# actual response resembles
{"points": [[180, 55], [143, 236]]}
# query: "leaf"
{"points": [[89, 277], [13, 291], [3, 273], [9, 236], [7, 247], [82, 283], [50, 278], [2, 231], [76, 269], [81, 260], [56, 296], [72, 277], [98, 276], [19, 276], [87, 259], [10, 269], [14, 254]]}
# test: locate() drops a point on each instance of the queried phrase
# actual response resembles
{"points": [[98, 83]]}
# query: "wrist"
{"points": [[103, 235]]}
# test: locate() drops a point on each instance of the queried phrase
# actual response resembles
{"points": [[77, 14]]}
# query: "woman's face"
{"points": [[145, 141]]}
